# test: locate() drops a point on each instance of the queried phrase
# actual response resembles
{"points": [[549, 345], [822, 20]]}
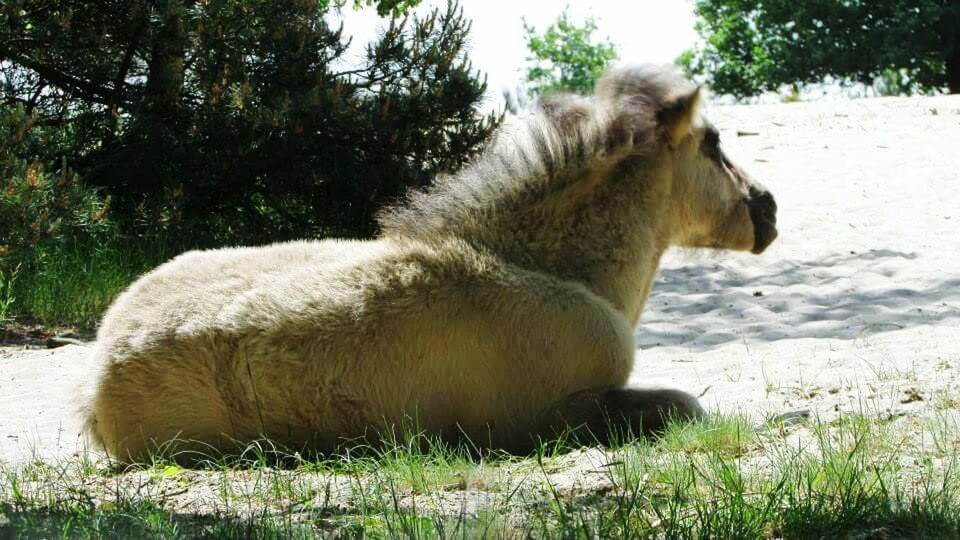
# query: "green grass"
{"points": [[718, 478], [7, 281], [71, 284]]}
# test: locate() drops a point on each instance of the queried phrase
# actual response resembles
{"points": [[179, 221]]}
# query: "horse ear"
{"points": [[677, 115]]}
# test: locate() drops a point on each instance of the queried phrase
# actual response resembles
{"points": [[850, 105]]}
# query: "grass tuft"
{"points": [[716, 478], [72, 283]]}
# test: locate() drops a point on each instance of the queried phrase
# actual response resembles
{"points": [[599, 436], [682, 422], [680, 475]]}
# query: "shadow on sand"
{"points": [[841, 297]]}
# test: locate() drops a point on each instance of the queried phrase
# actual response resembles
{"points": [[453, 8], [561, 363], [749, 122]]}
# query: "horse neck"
{"points": [[608, 240]]}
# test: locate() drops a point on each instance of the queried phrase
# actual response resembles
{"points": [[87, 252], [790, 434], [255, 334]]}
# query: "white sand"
{"points": [[37, 388], [860, 305]]}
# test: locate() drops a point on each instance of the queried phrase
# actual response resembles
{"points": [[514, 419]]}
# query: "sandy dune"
{"points": [[856, 308]]}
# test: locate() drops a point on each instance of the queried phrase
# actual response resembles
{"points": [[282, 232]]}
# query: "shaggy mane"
{"points": [[542, 154]]}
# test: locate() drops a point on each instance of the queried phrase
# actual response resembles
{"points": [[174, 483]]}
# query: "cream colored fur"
{"points": [[489, 307]]}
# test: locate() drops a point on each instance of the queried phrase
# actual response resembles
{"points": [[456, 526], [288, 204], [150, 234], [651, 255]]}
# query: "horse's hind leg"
{"points": [[596, 415]]}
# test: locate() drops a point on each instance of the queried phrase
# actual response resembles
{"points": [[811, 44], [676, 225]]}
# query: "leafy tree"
{"points": [[239, 120], [565, 58], [752, 46]]}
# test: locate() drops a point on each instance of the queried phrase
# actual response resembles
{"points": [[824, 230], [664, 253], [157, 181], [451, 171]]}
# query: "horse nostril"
{"points": [[762, 201]]}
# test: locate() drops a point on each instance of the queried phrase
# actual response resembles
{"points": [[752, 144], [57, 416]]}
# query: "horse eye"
{"points": [[712, 139]]}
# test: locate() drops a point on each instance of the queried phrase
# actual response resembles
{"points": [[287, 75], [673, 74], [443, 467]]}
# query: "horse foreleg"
{"points": [[597, 415]]}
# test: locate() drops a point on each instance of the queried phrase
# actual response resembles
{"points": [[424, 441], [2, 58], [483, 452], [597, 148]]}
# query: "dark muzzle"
{"points": [[763, 213]]}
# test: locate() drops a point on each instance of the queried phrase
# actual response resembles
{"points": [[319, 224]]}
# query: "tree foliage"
{"points": [[240, 120], [565, 57], [752, 46]]}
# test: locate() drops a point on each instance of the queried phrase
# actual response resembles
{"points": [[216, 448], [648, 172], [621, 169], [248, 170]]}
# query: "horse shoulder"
{"points": [[559, 326]]}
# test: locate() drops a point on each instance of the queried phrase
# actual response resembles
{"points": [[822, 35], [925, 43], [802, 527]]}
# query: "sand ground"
{"points": [[856, 307]]}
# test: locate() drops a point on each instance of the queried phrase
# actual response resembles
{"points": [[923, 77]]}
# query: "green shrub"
{"points": [[38, 207], [62, 260]]}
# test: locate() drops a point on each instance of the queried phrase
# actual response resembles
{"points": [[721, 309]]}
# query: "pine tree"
{"points": [[240, 120]]}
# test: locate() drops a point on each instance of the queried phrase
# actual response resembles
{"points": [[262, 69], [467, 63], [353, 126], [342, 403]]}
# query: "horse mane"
{"points": [[566, 137]]}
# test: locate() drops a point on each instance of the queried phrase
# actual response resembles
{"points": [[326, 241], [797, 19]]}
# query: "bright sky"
{"points": [[642, 30]]}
